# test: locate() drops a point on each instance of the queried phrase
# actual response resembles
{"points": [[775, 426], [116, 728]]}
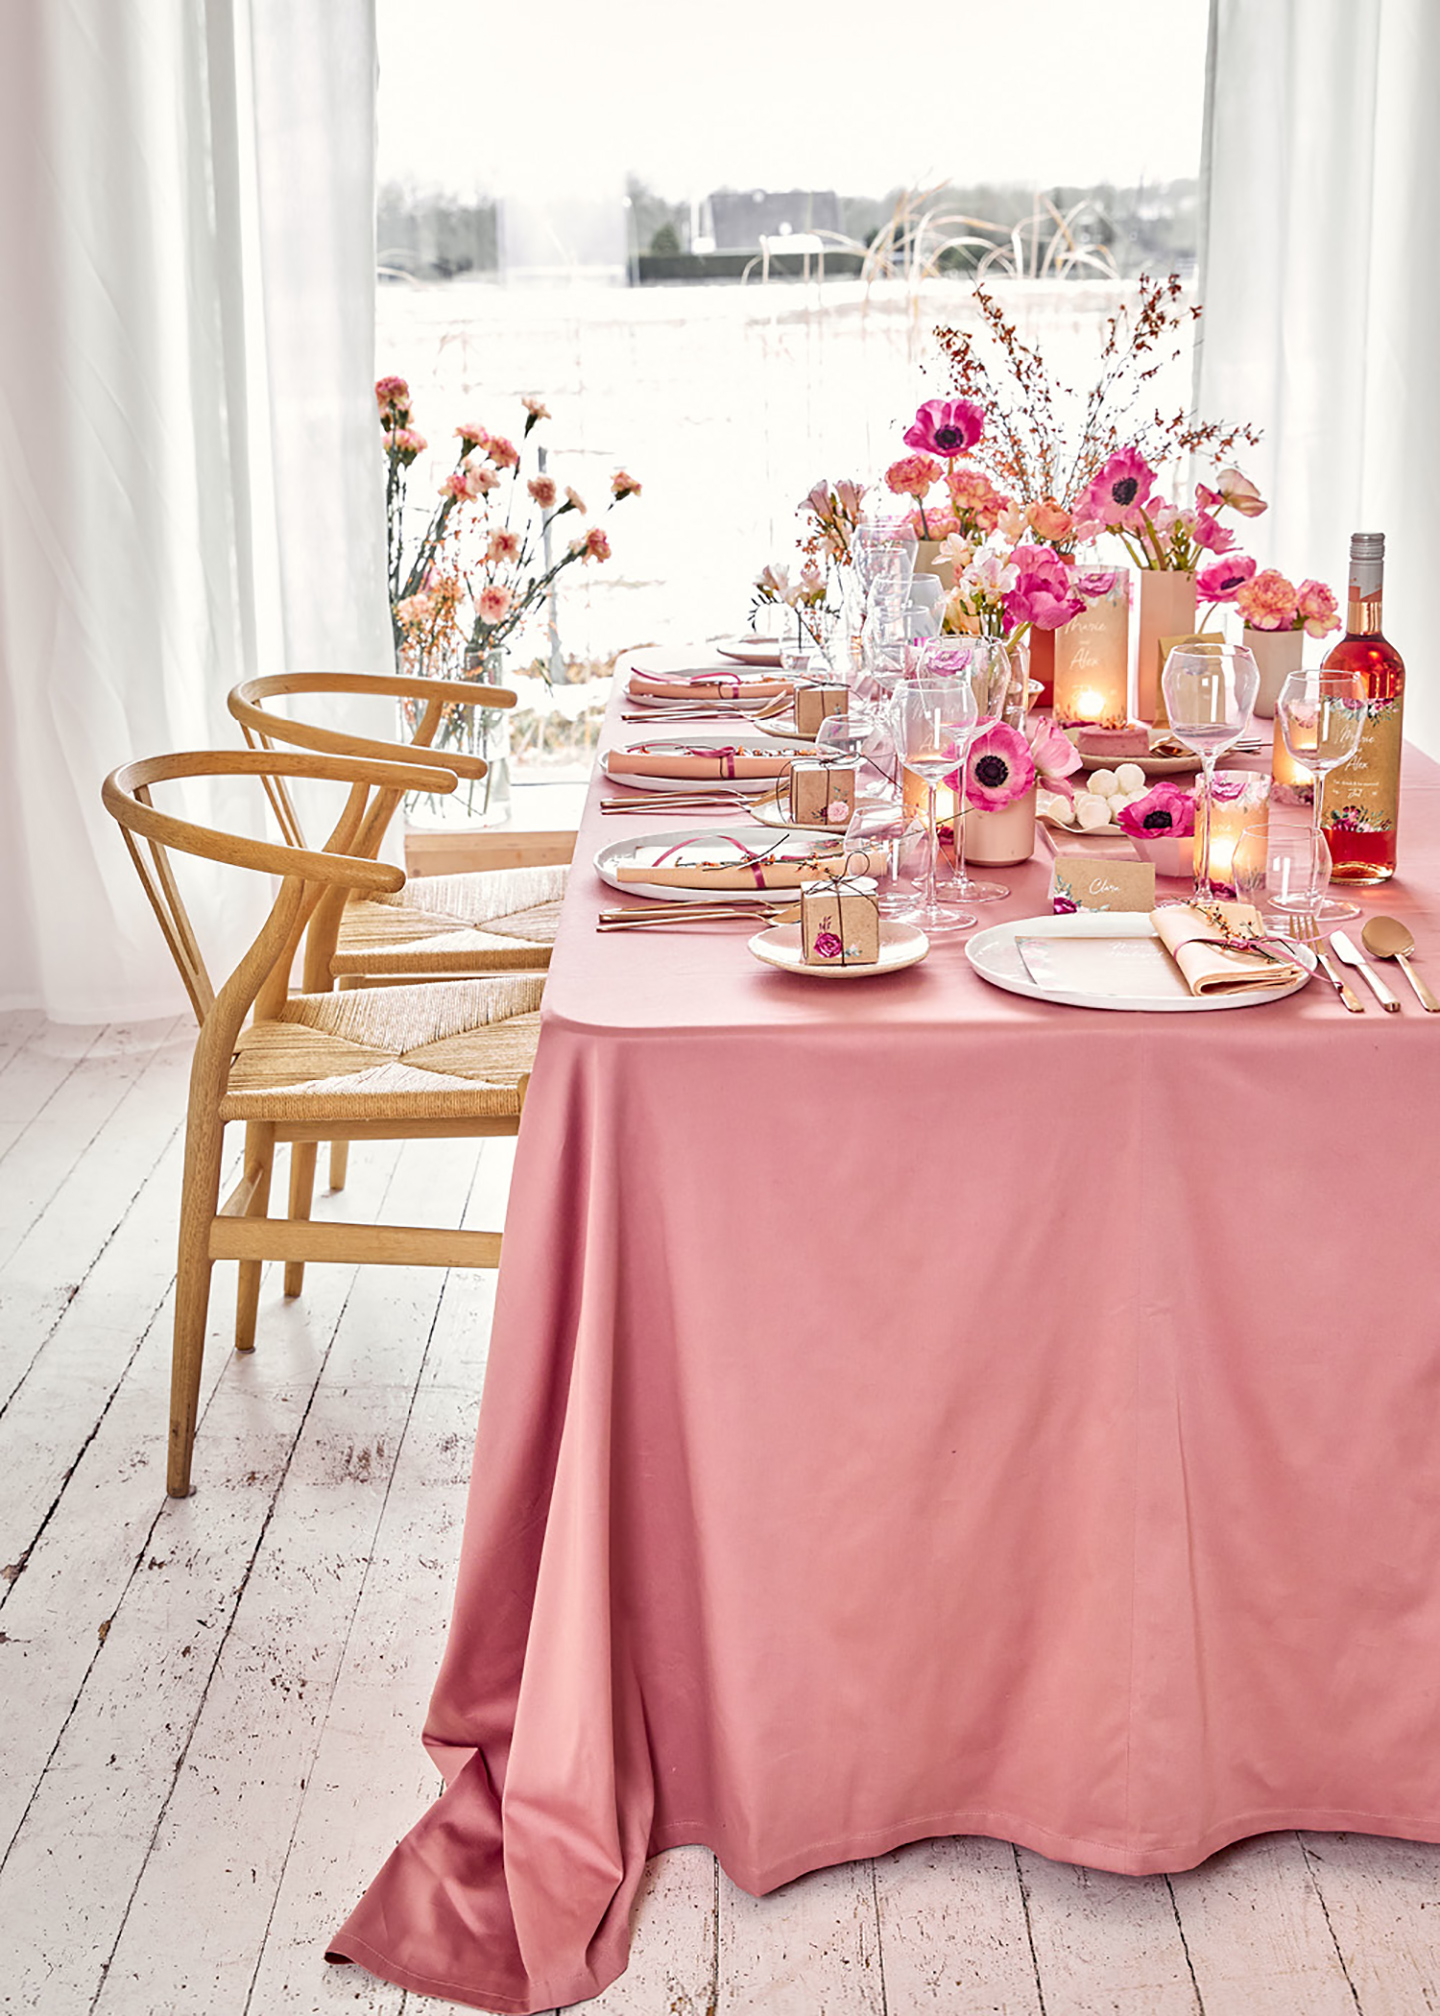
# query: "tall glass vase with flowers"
{"points": [[485, 559]]}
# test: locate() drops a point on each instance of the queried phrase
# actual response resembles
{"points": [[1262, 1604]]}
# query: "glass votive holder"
{"points": [[1238, 798], [1282, 869]]}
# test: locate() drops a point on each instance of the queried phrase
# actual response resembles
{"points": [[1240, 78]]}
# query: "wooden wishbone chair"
{"points": [[438, 927], [385, 1063]]}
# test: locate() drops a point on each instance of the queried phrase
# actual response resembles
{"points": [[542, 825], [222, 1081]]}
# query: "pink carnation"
{"points": [[912, 475], [1049, 520], [1219, 581], [542, 489], [472, 434], [573, 502], [594, 546], [406, 442], [947, 427], [504, 545], [461, 483], [1315, 606], [624, 485], [494, 604], [975, 497], [504, 454], [1267, 602], [536, 408], [392, 396], [1120, 491]]}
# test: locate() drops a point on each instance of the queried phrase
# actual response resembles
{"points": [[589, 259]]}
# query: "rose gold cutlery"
{"points": [[1388, 938], [1304, 931]]}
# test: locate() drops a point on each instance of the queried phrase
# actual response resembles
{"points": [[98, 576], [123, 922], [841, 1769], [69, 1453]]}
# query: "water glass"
{"points": [[986, 664], [1284, 870], [934, 722], [1209, 693], [1321, 714]]}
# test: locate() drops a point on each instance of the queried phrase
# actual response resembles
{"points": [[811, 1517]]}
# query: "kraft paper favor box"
{"points": [[814, 703], [1079, 882], [839, 924], [820, 795]]}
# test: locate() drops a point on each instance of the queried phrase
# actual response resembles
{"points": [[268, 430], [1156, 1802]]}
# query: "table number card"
{"points": [[821, 795], [814, 703], [839, 925], [1089, 884]]}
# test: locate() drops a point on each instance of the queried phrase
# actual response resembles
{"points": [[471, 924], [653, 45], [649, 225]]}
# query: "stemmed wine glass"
{"points": [[1209, 692], [934, 722], [1321, 714], [985, 662]]}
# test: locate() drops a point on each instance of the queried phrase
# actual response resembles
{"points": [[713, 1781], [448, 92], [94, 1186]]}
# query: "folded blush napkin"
{"points": [[746, 868], [1221, 948], [740, 761], [705, 686]]}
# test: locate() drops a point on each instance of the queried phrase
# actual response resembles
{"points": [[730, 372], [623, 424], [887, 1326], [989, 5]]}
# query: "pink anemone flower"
{"points": [[1119, 490], [1221, 580], [999, 768], [947, 427], [1165, 808]]}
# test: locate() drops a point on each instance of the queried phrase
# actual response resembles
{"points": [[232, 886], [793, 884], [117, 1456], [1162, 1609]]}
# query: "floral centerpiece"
{"points": [[487, 556]]}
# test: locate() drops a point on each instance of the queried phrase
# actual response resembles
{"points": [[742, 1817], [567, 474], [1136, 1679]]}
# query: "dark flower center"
{"points": [[992, 772], [1232, 581], [1124, 491], [949, 439], [1158, 821]]}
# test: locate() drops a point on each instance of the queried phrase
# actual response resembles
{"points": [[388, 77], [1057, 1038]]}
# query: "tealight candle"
{"points": [[1239, 799], [1092, 655], [1293, 783]]}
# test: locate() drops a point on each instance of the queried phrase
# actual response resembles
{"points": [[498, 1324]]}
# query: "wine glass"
{"points": [[985, 662], [894, 634], [883, 827], [1209, 692], [1282, 869], [1321, 713], [842, 737], [934, 722], [884, 549]]}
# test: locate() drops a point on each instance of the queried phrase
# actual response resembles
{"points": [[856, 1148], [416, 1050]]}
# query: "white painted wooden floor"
{"points": [[211, 1709]]}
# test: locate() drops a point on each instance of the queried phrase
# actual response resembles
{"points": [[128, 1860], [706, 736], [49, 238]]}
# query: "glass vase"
{"points": [[476, 802]]}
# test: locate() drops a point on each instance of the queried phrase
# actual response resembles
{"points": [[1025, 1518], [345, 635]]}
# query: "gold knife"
{"points": [[1342, 986]]}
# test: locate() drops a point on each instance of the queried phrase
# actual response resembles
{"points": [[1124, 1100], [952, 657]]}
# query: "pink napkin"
{"points": [[739, 762], [713, 686]]}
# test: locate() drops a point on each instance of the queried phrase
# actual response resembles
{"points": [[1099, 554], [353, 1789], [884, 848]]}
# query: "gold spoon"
{"points": [[1388, 938]]}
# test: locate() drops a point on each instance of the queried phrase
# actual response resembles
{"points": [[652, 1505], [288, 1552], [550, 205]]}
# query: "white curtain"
{"points": [[187, 431], [1322, 291]]}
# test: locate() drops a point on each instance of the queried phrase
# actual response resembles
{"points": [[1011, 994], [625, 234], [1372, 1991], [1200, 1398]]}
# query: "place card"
{"points": [[839, 924], [814, 703], [820, 794], [1078, 883]]}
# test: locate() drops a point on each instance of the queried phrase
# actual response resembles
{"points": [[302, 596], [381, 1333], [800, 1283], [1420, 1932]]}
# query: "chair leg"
{"points": [[199, 1199], [259, 1152], [302, 1189], [339, 1164]]}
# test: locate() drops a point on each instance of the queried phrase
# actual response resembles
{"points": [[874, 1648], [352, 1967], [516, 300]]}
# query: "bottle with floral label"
{"points": [[1362, 798]]}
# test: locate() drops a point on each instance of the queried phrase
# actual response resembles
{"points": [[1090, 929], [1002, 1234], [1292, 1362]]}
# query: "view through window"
{"points": [[717, 250]]}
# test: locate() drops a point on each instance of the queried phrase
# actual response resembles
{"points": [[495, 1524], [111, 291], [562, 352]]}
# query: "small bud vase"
{"points": [[1277, 654], [1001, 839]]}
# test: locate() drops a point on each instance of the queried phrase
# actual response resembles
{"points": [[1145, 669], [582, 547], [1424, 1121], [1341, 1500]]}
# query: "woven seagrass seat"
{"points": [[439, 926], [452, 1058], [488, 922]]}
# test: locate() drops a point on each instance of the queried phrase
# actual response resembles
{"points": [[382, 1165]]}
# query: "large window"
{"points": [[594, 207]]}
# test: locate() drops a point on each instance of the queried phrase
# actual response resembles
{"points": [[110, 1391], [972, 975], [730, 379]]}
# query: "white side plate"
{"points": [[901, 945]]}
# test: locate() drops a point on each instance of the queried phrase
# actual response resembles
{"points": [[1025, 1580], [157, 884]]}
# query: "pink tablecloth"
{"points": [[912, 1411]]}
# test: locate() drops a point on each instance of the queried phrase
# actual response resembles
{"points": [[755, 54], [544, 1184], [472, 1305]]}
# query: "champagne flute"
{"points": [[1321, 714], [985, 662], [934, 721], [1209, 692]]}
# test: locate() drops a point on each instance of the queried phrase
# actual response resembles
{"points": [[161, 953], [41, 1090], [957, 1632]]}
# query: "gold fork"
{"points": [[1305, 931]]}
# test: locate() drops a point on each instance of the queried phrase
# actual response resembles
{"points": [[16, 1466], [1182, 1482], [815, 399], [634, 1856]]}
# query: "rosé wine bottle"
{"points": [[1362, 797]]}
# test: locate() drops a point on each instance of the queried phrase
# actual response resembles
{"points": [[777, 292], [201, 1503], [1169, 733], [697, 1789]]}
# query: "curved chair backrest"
{"points": [[305, 873], [263, 726]]}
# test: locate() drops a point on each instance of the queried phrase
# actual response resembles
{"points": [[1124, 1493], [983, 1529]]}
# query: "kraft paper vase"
{"points": [[1277, 654], [1001, 839], [927, 561], [1167, 609]]}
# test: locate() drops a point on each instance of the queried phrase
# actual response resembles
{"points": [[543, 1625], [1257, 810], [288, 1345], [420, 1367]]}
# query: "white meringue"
{"points": [[1131, 778], [1103, 783], [1091, 810]]}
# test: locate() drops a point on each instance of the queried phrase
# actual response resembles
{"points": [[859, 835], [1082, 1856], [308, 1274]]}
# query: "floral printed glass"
{"points": [[934, 720], [1321, 713], [1209, 693], [985, 662]]}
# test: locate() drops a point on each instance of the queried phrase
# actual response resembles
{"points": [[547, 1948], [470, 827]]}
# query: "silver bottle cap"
{"points": [[1367, 546]]}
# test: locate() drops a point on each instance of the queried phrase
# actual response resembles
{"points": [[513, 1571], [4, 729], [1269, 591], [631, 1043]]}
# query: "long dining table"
{"points": [[917, 1410]]}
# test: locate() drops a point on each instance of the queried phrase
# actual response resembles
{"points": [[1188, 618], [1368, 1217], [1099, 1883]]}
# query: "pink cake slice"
{"points": [[1131, 740]]}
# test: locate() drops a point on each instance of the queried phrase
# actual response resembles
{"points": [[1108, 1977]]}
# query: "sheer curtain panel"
{"points": [[1321, 290], [187, 434]]}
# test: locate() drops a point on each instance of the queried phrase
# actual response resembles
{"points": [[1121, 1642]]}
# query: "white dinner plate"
{"points": [[901, 945], [1144, 975], [718, 739], [751, 650], [763, 839], [783, 726]]}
